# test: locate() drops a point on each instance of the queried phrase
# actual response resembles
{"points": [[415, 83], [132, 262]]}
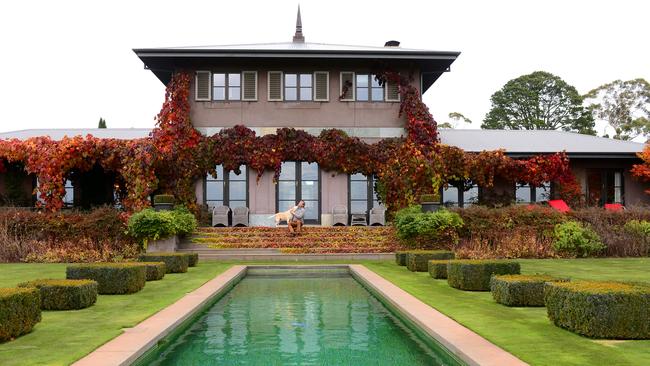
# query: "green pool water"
{"points": [[297, 320]]}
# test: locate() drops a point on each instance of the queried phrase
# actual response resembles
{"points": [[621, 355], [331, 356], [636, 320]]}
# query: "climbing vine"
{"points": [[175, 155]]}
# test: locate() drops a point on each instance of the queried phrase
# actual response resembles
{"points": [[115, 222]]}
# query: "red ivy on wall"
{"points": [[176, 155]]}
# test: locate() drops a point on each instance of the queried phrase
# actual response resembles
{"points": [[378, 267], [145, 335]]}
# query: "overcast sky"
{"points": [[66, 63]]}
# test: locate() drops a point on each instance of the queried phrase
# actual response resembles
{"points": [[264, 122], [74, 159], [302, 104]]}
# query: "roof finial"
{"points": [[298, 37]]}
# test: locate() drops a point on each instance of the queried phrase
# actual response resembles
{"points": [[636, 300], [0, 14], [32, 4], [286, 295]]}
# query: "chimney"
{"points": [[391, 44], [298, 37]]}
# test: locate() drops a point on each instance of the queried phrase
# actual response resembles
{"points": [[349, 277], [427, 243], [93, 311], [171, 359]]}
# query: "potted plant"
{"points": [[163, 202], [430, 202]]}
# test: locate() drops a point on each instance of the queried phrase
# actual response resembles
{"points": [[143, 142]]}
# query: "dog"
{"points": [[281, 216]]}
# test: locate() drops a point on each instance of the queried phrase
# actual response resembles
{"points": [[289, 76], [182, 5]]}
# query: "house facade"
{"points": [[315, 86]]}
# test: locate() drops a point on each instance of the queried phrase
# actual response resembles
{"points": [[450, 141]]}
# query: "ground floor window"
{"points": [[68, 199], [525, 193], [362, 196], [227, 189], [460, 195], [299, 181], [605, 186]]}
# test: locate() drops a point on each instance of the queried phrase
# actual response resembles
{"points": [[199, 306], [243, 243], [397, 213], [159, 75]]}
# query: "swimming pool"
{"points": [[288, 316]]}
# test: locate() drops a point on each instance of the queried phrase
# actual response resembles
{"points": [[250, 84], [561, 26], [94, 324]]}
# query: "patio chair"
{"points": [[616, 207], [220, 215], [559, 205], [240, 216], [377, 216], [340, 215]]}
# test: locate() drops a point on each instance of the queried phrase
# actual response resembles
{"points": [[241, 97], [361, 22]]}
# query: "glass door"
{"points": [[299, 181]]}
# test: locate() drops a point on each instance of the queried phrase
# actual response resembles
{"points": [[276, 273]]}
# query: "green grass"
{"points": [[527, 332], [65, 336]]}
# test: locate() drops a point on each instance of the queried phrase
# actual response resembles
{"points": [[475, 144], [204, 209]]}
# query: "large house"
{"points": [[315, 86]]}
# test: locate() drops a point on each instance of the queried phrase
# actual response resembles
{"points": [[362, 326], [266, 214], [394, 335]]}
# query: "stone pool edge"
{"points": [[468, 346], [126, 348]]}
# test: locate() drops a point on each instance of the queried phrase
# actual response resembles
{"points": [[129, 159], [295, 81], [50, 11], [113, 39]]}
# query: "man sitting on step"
{"points": [[296, 220]]}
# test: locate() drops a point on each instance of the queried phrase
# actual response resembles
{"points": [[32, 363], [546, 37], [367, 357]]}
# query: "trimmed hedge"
{"points": [[400, 258], [112, 278], [175, 262], [474, 275], [418, 260], [614, 310], [20, 310], [438, 268], [64, 294], [155, 270], [193, 259], [521, 290]]}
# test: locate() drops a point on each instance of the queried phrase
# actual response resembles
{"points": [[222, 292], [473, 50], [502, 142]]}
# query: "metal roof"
{"points": [[163, 61], [515, 142], [58, 134], [527, 142]]}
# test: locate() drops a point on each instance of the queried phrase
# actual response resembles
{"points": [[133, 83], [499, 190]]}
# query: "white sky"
{"points": [[66, 63]]}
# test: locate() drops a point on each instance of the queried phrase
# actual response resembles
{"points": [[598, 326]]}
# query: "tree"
{"points": [[539, 101], [102, 123], [624, 105], [455, 118]]}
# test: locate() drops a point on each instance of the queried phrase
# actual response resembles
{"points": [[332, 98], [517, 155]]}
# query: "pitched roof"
{"points": [[515, 142], [58, 134], [526, 142], [162, 61]]}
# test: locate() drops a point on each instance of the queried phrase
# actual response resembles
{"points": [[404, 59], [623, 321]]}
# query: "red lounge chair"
{"points": [[614, 207], [559, 205]]}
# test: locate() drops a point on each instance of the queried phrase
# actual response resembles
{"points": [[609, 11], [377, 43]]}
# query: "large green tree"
{"points": [[455, 119], [539, 101], [624, 105], [102, 123]]}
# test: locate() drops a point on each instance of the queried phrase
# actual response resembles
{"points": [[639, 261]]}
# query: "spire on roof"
{"points": [[298, 37]]}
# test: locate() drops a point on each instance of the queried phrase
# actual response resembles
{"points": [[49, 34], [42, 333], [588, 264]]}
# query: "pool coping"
{"points": [[465, 344]]}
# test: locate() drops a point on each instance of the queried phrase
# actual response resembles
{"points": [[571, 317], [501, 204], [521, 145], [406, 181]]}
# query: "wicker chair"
{"points": [[220, 215], [339, 215], [378, 216], [240, 216]]}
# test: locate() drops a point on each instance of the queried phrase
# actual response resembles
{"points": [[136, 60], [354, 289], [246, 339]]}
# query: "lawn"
{"points": [[65, 336], [527, 332]]}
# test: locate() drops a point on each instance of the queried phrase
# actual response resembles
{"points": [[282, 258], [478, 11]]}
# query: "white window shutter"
{"points": [[274, 83], [347, 78], [249, 85], [202, 86], [392, 91], [321, 86]]}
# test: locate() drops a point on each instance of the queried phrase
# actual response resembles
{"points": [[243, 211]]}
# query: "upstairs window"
{"points": [[226, 86], [298, 87], [368, 88]]}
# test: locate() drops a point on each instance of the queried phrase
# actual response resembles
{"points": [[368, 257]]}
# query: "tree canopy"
{"points": [[539, 101], [102, 123], [455, 119], [624, 105]]}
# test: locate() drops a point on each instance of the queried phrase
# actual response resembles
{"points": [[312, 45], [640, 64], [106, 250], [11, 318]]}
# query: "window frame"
{"points": [[298, 186], [298, 86], [461, 195], [604, 184], [370, 193], [227, 86], [196, 86], [533, 193], [225, 181], [371, 77]]}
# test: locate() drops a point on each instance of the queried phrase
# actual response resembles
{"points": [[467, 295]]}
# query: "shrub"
{"points": [[520, 290], [184, 221], [174, 262], [155, 270], [474, 275], [417, 260], [65, 294], [151, 225], [614, 310], [438, 268], [400, 258], [428, 229], [112, 278], [193, 259], [20, 310], [640, 232], [575, 239]]}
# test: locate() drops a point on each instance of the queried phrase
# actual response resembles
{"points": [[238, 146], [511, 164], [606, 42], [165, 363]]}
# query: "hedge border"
{"points": [[474, 275], [175, 262], [521, 290], [57, 294], [438, 268], [417, 260], [112, 278], [20, 311]]}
